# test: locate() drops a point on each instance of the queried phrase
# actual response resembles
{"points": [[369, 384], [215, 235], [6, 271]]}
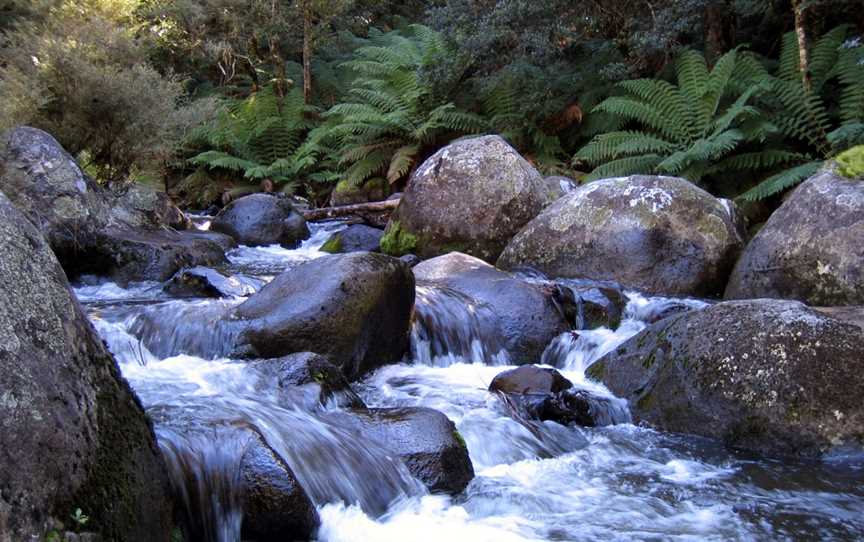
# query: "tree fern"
{"points": [[685, 127]]}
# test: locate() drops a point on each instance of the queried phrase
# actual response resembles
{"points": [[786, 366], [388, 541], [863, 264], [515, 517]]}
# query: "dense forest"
{"points": [[216, 98]]}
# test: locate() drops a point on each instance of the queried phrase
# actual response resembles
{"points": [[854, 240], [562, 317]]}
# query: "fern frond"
{"points": [[630, 108], [632, 165], [781, 181], [402, 162]]}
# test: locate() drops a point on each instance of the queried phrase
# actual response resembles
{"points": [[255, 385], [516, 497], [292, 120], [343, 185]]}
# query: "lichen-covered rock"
{"points": [[354, 308], [72, 433], [522, 314], [425, 440], [472, 196], [354, 238], [766, 375], [557, 186], [811, 249], [657, 234], [262, 219]]}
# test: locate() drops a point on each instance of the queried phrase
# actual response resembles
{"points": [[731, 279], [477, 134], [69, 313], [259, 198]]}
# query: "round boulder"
{"points": [[811, 249], [657, 234], [354, 238], [524, 315], [766, 375], [354, 308], [262, 219], [472, 196], [73, 433]]}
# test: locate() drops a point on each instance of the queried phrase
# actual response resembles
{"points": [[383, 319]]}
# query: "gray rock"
{"points": [[524, 314], [766, 375], [425, 440], [206, 282], [262, 219], [557, 186], [354, 308], [136, 206], [411, 259], [472, 196], [354, 238], [73, 433], [305, 379], [811, 249], [657, 234]]}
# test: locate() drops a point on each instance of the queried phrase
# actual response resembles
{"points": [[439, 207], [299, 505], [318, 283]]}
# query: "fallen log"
{"points": [[372, 212]]}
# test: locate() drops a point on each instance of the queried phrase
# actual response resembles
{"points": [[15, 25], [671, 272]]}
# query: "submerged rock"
{"points": [[425, 440], [307, 379], [262, 219], [811, 249], [202, 281], [657, 234], [354, 238], [542, 393], [766, 375], [354, 308], [74, 434], [471, 196], [522, 314]]}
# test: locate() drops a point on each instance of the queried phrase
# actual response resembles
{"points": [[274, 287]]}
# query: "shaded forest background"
{"points": [[216, 98]]}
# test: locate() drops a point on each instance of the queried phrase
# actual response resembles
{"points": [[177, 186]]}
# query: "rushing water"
{"points": [[535, 481]]}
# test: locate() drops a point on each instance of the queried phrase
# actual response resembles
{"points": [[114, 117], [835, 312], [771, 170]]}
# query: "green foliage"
{"points": [[823, 120], [390, 118], [397, 241], [259, 137], [695, 129], [850, 163]]}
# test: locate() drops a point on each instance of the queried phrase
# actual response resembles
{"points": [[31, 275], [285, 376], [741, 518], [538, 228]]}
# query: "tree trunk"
{"points": [[716, 31], [803, 44], [374, 212], [307, 52]]}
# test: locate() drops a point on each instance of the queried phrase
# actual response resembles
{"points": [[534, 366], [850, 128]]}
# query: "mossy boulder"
{"points": [[354, 238], [354, 308], [771, 376], [347, 193], [850, 163], [811, 249], [74, 434], [262, 219], [656, 234], [472, 196]]}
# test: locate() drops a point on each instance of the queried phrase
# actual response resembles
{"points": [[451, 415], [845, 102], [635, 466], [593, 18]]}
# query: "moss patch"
{"points": [[460, 440], [397, 241], [851, 163], [333, 245]]}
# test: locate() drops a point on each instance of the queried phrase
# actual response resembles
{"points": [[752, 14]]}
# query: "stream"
{"points": [[620, 482]]}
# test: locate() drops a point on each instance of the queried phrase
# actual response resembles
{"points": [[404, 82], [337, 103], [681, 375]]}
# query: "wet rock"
{"points": [[206, 282], [425, 440], [74, 433], [543, 394], [657, 234], [530, 379], [137, 255], [354, 308], [307, 379], [590, 304], [766, 375], [410, 259], [262, 219], [472, 196], [275, 506], [354, 238], [811, 247], [524, 315]]}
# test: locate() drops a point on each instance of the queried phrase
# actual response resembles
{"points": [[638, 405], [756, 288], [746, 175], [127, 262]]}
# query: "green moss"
{"points": [[397, 241], [597, 371], [333, 245], [459, 439], [851, 163]]}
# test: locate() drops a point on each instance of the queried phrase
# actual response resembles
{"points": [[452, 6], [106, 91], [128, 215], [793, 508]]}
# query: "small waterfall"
{"points": [[450, 327]]}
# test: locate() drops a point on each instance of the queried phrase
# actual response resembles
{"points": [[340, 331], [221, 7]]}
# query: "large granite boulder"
{"points": [[472, 196], [811, 249], [522, 315], [354, 308], [772, 376], [73, 433], [262, 219], [657, 234]]}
